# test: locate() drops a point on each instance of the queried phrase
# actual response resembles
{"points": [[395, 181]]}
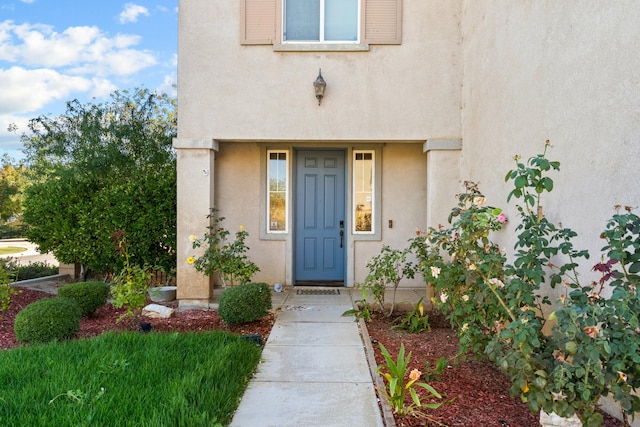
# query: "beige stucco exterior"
{"points": [[472, 84], [563, 71], [246, 98]]}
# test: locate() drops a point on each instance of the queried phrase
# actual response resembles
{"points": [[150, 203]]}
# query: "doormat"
{"points": [[318, 292]]}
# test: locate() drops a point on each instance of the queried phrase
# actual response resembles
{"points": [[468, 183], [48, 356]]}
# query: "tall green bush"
{"points": [[99, 168], [245, 303], [48, 319], [89, 296]]}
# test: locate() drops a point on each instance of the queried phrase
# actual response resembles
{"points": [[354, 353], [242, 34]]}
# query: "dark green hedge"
{"points": [[245, 303], [48, 319], [89, 296]]}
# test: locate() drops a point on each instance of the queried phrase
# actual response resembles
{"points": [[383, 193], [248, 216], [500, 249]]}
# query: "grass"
{"points": [[11, 250], [127, 379]]}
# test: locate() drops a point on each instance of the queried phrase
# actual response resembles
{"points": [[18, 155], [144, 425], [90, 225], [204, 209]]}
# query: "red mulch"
{"points": [[480, 392], [105, 319]]}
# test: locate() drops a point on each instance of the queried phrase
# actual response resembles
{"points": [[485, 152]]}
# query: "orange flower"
{"points": [[592, 331], [415, 375]]}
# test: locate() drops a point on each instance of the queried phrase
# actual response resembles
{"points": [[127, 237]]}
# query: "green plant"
{"points": [[99, 167], [457, 261], [32, 270], [6, 291], [226, 258], [89, 296], [434, 373], [46, 320], [397, 386], [593, 348], [245, 303], [361, 308], [388, 268], [415, 321], [129, 287]]}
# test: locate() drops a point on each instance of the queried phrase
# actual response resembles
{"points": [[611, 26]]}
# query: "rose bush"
{"points": [[498, 308]]}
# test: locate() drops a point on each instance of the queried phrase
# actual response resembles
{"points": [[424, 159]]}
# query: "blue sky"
{"points": [[53, 51]]}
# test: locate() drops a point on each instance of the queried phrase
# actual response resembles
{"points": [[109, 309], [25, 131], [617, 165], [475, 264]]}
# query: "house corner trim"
{"points": [[196, 143], [442, 144]]}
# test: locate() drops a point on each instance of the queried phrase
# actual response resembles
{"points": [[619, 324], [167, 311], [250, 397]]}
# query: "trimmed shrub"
{"points": [[48, 319], [245, 303], [33, 270], [89, 296]]}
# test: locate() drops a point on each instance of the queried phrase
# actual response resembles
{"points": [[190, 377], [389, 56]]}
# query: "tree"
{"points": [[12, 183], [99, 168]]}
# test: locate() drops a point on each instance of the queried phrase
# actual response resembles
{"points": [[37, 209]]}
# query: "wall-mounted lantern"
{"points": [[319, 85]]}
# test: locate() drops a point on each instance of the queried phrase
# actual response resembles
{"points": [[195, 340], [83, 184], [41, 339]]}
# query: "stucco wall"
{"points": [[237, 182], [228, 91], [237, 178], [563, 71], [404, 195]]}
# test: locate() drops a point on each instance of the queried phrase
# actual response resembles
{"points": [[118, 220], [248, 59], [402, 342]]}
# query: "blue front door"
{"points": [[320, 216]]}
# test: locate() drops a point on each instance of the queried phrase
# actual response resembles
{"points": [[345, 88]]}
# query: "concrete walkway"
{"points": [[314, 369]]}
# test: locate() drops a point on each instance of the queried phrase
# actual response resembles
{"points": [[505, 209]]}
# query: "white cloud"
{"points": [[168, 85], [102, 88], [131, 13], [40, 45], [29, 90], [78, 50]]}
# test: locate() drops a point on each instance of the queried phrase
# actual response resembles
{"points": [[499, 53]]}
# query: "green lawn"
{"points": [[11, 250], [127, 379]]}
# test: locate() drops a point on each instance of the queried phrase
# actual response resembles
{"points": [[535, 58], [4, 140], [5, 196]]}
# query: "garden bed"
{"points": [[478, 390], [105, 319]]}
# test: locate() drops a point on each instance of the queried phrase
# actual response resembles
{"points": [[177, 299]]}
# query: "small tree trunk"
{"points": [[393, 299]]}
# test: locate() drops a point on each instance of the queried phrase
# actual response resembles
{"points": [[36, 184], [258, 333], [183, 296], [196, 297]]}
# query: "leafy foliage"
{"points": [[361, 308], [13, 179], [226, 258], [471, 306], [130, 284], [593, 349], [245, 303], [31, 270], [48, 319], [415, 321], [6, 291], [89, 296], [99, 168], [388, 268], [394, 373]]}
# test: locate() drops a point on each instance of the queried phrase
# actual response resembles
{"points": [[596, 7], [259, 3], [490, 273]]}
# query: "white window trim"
{"points": [[287, 193], [326, 44], [373, 194]]}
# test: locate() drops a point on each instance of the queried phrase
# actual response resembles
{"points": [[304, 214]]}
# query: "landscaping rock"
{"points": [[554, 420], [157, 311]]}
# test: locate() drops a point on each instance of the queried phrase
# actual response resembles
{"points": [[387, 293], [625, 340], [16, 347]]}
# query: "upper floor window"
{"points": [[320, 23], [321, 20]]}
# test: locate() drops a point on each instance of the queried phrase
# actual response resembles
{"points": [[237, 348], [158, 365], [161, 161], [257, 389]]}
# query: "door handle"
{"points": [[341, 237]]}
